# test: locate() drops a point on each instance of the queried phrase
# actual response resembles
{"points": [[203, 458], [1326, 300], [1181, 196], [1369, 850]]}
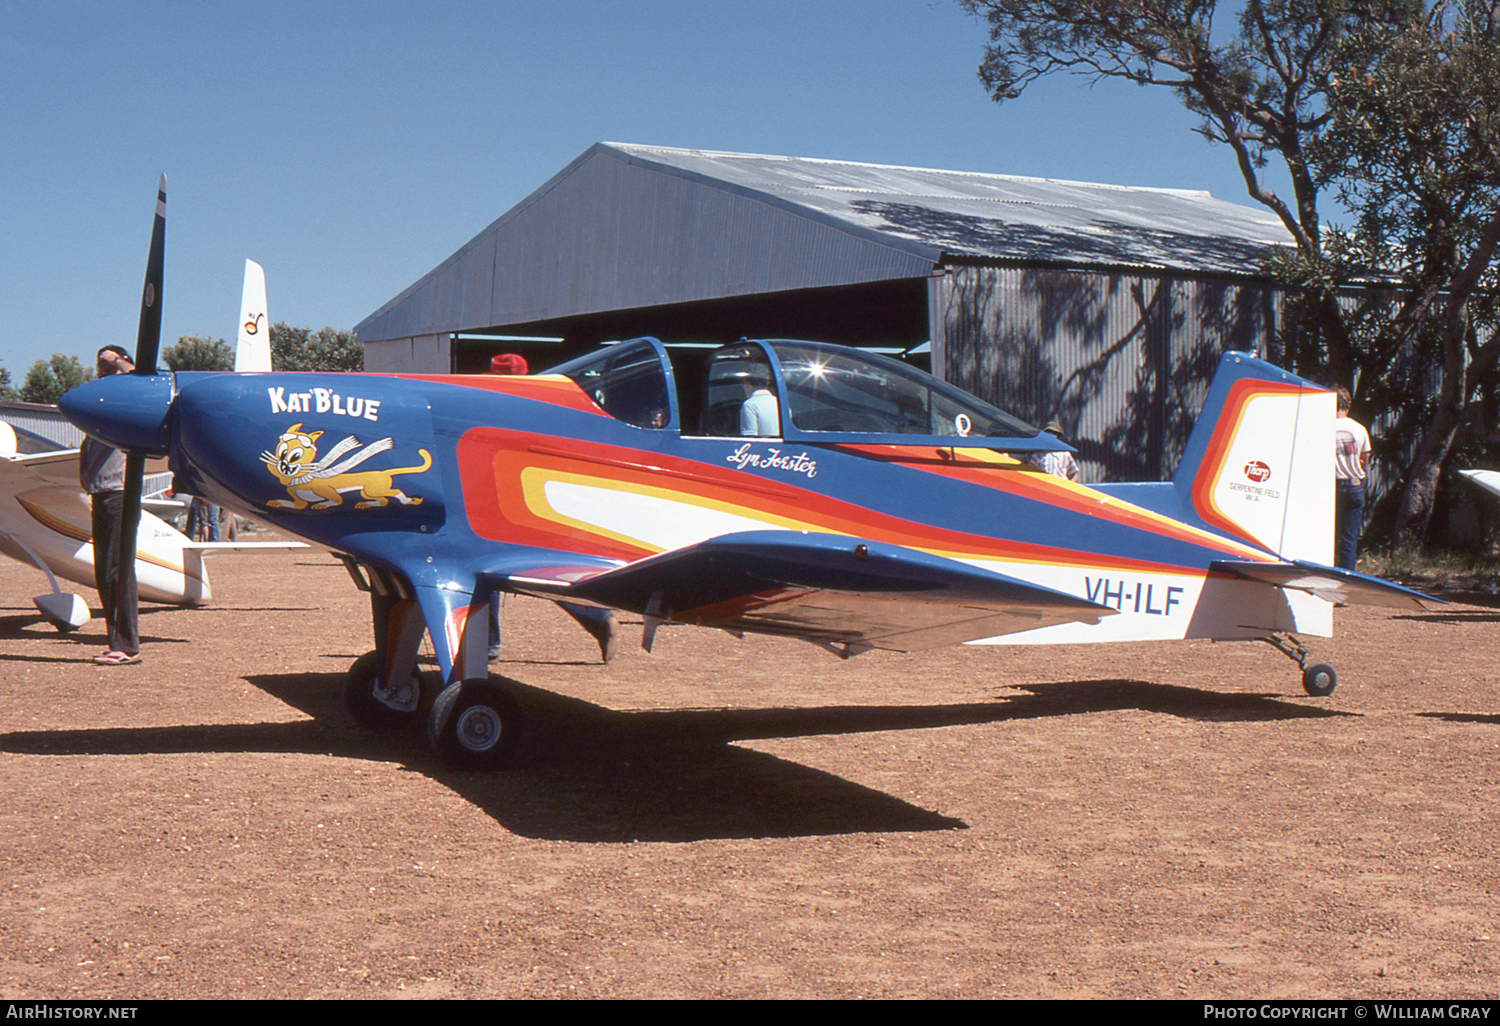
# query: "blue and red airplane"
{"points": [[771, 486]]}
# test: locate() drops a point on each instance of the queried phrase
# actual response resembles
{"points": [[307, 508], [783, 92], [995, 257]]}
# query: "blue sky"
{"points": [[350, 147]]}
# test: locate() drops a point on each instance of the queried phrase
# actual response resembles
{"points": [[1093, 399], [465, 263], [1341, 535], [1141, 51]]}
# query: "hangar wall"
{"points": [[421, 354], [1122, 359]]}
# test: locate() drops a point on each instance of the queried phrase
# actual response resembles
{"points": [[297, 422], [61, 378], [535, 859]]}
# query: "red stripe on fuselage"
{"points": [[1030, 483], [557, 391]]}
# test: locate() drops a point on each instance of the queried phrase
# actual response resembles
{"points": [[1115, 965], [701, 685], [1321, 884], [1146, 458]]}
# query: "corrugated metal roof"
{"points": [[1005, 217], [625, 227]]}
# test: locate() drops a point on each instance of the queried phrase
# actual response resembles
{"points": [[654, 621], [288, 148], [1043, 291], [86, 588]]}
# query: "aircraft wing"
{"points": [[61, 468], [52, 468], [1329, 583], [832, 589]]}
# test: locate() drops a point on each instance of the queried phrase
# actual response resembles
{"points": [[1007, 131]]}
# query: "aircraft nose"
{"points": [[129, 411]]}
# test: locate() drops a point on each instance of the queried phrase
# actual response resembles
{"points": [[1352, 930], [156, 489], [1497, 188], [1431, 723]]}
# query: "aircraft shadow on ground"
{"points": [[24, 626], [1456, 617], [590, 774], [91, 638], [1456, 717]]}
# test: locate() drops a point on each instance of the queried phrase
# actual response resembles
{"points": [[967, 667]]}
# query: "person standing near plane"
{"points": [[1058, 464], [1351, 457], [101, 473]]}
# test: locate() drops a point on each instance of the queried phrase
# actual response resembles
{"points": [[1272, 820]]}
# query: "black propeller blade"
{"points": [[148, 335], [147, 343]]}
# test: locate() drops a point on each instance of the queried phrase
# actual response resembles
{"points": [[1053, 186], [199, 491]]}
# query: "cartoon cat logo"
{"points": [[320, 483]]}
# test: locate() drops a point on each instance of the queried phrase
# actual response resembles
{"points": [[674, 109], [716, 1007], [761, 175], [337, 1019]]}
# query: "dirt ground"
{"points": [[749, 818]]}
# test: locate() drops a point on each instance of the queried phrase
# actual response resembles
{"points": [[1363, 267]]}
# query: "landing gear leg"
{"points": [[383, 688], [474, 722], [1318, 679]]}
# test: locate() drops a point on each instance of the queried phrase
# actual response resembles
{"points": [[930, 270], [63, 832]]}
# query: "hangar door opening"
{"points": [[883, 315]]}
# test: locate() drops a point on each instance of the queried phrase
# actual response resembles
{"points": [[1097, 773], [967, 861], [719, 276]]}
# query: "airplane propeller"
{"points": [[147, 345]]}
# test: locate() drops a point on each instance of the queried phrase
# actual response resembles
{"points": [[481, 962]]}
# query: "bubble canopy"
{"points": [[803, 391]]}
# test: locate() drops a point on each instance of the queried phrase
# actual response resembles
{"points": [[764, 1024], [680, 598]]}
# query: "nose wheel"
{"points": [[1318, 679]]}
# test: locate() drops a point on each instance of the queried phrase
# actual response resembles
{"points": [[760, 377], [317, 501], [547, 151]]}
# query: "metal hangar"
{"points": [[1101, 306]]}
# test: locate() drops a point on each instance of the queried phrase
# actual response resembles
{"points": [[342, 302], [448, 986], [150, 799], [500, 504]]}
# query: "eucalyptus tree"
{"points": [[1387, 105]]}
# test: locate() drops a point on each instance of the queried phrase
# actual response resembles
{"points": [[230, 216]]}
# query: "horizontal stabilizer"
{"points": [[1328, 583], [41, 459], [826, 588], [1489, 480]]}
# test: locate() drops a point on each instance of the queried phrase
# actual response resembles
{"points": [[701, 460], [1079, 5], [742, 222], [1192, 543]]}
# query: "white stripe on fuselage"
{"points": [[1149, 606], [654, 521]]}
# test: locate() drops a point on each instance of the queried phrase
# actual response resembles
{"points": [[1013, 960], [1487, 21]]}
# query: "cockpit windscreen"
{"points": [[836, 389]]}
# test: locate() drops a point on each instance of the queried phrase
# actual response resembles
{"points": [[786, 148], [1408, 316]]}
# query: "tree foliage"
{"points": [[8, 391], [1414, 151], [1389, 105], [300, 349], [199, 353], [49, 379]]}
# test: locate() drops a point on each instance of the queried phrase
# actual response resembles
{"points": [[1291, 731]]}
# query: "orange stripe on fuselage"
{"points": [[503, 472], [1004, 473]]}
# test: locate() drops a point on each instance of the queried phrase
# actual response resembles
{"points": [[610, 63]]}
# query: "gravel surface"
{"points": [[754, 818]]}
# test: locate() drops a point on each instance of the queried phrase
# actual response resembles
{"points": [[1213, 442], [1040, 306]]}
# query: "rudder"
{"points": [[1259, 463]]}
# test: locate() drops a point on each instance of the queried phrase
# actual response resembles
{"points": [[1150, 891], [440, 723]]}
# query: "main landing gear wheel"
{"points": [[1319, 680], [373, 703], [474, 724]]}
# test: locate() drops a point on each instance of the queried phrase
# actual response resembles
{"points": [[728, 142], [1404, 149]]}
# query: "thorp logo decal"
{"points": [[1257, 471]]}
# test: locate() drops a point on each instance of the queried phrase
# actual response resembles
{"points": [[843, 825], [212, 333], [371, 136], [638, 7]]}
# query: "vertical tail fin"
{"points": [[252, 351], [1259, 463]]}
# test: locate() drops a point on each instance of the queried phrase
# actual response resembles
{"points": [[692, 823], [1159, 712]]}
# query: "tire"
{"points": [[1319, 680], [372, 705], [474, 725]]}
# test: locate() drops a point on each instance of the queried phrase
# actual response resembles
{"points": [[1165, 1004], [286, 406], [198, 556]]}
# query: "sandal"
{"points": [[117, 658]]}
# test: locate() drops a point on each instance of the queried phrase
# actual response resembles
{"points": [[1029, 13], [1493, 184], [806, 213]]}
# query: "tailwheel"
{"points": [[374, 703], [474, 724], [1319, 680]]}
